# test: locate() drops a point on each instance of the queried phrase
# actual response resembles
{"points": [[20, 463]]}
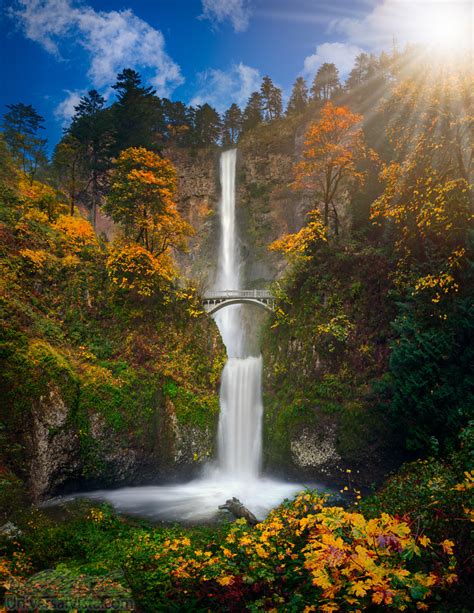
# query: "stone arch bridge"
{"points": [[216, 300]]}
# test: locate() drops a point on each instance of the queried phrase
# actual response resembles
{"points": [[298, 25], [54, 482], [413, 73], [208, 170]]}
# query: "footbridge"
{"points": [[216, 300]]}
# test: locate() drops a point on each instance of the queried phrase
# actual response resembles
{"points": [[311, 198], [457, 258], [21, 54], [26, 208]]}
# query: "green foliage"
{"points": [[431, 375]]}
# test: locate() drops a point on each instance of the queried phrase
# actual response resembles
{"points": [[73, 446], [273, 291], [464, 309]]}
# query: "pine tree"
{"points": [[138, 114], [299, 97], [92, 127], [271, 99], [231, 125], [326, 82], [365, 69], [67, 165], [179, 122], [21, 126], [207, 126], [253, 112]]}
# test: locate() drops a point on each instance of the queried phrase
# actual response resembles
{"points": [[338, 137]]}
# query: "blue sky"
{"points": [[53, 51]]}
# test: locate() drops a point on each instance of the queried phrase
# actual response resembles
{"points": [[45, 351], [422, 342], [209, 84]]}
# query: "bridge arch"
{"points": [[217, 300], [210, 310]]}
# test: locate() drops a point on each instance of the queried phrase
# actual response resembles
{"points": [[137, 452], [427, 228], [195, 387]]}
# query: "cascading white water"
{"points": [[239, 437], [239, 432]]}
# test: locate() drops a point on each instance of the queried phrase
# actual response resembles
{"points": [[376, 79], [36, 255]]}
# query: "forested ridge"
{"points": [[110, 368]]}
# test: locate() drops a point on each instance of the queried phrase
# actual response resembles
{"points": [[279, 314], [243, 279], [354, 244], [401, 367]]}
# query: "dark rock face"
{"points": [[53, 446], [58, 462]]}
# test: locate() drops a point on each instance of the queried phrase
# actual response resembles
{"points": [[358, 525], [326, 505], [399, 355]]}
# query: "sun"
{"points": [[446, 26]]}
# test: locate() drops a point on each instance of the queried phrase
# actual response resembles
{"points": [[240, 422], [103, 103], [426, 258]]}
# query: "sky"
{"points": [[216, 51]]}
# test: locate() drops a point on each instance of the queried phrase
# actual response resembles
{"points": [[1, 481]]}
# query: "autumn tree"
{"points": [[142, 200], [303, 242], [326, 82], [231, 125], [299, 97], [271, 99], [427, 207], [253, 112], [22, 127], [333, 147]]}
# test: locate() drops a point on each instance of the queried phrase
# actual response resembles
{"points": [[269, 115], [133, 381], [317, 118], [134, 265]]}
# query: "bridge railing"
{"points": [[237, 293]]}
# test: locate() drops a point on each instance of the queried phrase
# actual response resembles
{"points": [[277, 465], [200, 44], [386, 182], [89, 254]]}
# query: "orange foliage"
{"points": [[299, 244], [333, 148], [77, 233], [427, 195], [142, 200], [133, 268]]}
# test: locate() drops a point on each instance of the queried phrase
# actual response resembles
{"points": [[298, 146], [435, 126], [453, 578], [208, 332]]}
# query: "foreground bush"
{"points": [[304, 556]]}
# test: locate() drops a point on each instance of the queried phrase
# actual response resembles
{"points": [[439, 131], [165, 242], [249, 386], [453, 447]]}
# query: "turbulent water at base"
{"points": [[237, 470]]}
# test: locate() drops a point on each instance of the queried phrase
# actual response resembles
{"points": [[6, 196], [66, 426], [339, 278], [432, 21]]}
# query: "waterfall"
{"points": [[236, 472], [239, 432]]}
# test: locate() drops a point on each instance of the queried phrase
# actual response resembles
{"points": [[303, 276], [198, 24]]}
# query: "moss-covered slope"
{"points": [[97, 386]]}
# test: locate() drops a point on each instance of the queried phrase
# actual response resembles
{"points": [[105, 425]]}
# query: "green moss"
{"points": [[192, 409]]}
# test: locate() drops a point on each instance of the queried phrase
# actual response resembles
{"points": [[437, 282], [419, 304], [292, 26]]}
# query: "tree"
{"points": [[326, 82], [253, 112], [271, 99], [178, 120], [299, 97], [22, 126], [365, 69], [91, 126], [333, 147], [68, 166], [231, 125], [138, 115], [301, 243], [207, 126], [7, 166], [142, 201], [427, 205]]}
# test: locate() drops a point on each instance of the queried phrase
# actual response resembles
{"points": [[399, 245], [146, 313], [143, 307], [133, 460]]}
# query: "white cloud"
{"points": [[235, 11], [341, 54], [65, 109], [113, 40], [428, 22], [220, 88]]}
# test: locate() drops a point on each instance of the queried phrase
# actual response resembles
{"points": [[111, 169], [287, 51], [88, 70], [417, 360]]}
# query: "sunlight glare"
{"points": [[442, 25]]}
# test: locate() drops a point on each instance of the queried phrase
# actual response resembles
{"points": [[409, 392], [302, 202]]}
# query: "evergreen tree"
{"points": [[326, 82], [231, 125], [68, 167], [365, 68], [179, 121], [138, 115], [253, 112], [22, 126], [92, 127], [207, 126], [299, 97], [271, 99]]}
